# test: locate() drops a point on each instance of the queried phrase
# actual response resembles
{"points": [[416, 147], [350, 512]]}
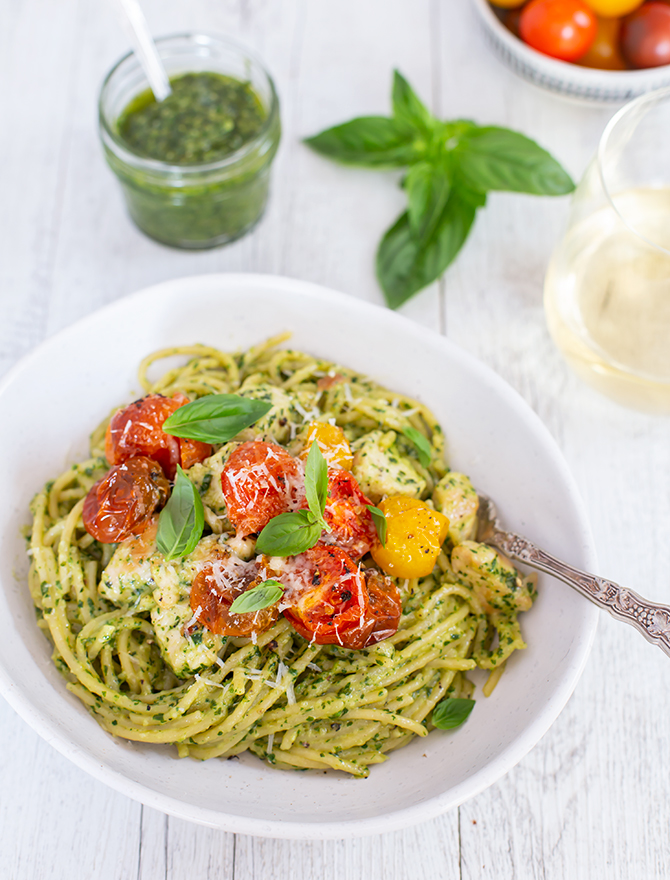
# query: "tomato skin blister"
{"points": [[347, 515], [259, 481], [123, 502]]}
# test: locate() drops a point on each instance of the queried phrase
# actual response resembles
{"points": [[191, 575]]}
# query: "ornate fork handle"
{"points": [[653, 621]]}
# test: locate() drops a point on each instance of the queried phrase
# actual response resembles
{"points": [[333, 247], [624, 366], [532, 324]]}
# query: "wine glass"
{"points": [[607, 290]]}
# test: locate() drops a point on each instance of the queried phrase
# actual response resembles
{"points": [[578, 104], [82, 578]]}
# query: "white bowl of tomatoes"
{"points": [[602, 51]]}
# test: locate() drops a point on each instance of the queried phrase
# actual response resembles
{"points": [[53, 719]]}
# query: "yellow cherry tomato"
{"points": [[613, 8], [332, 443], [507, 4], [414, 535]]}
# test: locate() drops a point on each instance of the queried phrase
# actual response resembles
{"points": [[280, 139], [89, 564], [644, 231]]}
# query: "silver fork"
{"points": [[652, 620]]}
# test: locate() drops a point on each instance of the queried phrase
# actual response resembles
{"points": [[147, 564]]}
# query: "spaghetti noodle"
{"points": [[147, 673]]}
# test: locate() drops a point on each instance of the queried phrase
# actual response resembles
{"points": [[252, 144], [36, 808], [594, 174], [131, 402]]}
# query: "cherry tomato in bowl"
{"points": [[613, 8], [645, 35], [563, 29]]}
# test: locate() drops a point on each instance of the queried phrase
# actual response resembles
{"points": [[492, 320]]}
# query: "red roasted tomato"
{"points": [[259, 481], [562, 29], [138, 430], [215, 588], [347, 515], [123, 502], [385, 605]]}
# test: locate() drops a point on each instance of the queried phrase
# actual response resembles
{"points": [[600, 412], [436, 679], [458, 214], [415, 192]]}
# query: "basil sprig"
{"points": [[451, 167], [381, 524], [452, 712], [290, 533], [261, 596], [215, 418], [421, 443], [182, 520]]}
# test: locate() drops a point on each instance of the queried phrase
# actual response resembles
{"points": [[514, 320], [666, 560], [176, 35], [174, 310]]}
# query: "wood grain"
{"points": [[589, 801]]}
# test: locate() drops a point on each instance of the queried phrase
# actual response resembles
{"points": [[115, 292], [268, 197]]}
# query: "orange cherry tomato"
{"points": [[327, 598], [259, 481], [605, 53], [138, 430], [331, 441], [645, 35], [347, 515], [215, 588], [122, 503], [563, 29], [507, 4]]}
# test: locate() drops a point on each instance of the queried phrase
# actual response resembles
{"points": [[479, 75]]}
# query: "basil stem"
{"points": [[215, 418], [181, 521], [259, 597], [452, 712]]}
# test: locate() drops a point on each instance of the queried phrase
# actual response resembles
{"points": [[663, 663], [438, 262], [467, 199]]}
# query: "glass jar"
{"points": [[607, 290], [192, 206]]}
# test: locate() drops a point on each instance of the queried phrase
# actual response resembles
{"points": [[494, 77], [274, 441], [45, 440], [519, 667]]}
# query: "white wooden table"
{"points": [[590, 801]]}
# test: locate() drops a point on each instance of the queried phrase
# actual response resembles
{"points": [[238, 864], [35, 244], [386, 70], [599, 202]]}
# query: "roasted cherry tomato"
{"points": [[138, 430], [613, 8], [327, 598], [331, 441], [563, 29], [123, 502], [259, 481], [215, 588], [347, 515], [605, 53], [645, 35], [414, 535], [385, 605]]}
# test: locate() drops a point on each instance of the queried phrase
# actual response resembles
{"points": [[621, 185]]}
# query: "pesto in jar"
{"points": [[195, 168], [207, 117]]}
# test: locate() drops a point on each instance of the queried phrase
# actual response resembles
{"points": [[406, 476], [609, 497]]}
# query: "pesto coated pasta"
{"points": [[128, 642]]}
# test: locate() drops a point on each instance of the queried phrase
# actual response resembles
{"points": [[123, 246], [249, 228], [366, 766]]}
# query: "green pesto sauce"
{"points": [[207, 117]]}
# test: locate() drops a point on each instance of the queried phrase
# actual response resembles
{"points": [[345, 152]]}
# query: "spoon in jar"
{"points": [[136, 27], [652, 620]]}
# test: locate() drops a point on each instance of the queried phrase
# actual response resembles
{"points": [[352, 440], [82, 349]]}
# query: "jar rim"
{"points": [[144, 163]]}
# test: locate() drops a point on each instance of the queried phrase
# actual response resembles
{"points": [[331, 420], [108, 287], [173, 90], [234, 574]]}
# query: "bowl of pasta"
{"points": [[252, 595]]}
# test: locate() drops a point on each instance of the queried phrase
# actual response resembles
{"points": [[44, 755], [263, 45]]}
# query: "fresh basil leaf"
{"points": [[182, 520], [379, 519], [452, 712], [427, 187], [289, 534], [494, 158], [407, 108], [215, 418], [259, 597], [423, 447], [405, 265], [373, 141], [316, 481]]}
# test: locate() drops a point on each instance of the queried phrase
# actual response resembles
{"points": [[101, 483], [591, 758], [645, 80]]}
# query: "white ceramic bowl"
{"points": [[568, 80], [56, 395]]}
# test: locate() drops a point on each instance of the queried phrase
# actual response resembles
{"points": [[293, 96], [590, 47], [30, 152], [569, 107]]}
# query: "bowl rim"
{"points": [[329, 829]]}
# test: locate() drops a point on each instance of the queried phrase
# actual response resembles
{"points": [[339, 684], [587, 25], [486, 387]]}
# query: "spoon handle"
{"points": [[652, 620], [144, 47]]}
